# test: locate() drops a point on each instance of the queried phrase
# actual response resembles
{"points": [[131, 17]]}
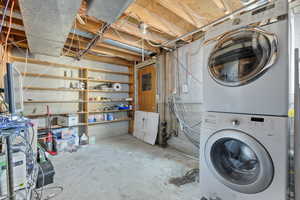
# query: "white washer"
{"points": [[246, 67], [243, 157]]}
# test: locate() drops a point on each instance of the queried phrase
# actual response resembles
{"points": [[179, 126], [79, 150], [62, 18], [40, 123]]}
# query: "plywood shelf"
{"points": [[53, 89], [59, 65], [109, 72], [27, 74], [108, 81], [112, 101], [58, 126], [48, 101], [71, 90], [54, 114], [111, 121], [106, 91], [108, 111], [43, 63], [53, 101]]}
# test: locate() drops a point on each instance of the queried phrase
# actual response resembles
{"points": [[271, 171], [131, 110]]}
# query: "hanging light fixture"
{"points": [[143, 28]]}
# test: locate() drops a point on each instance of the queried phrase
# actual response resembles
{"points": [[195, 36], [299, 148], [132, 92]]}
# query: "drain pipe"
{"points": [[167, 43], [297, 128]]}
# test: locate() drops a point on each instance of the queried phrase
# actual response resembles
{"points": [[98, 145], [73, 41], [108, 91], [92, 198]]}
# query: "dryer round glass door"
{"points": [[242, 55], [239, 161]]}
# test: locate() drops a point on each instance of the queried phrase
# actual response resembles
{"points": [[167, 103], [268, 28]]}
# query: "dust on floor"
{"points": [[123, 168]]}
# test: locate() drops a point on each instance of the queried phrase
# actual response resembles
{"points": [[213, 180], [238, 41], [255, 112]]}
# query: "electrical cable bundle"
{"points": [[192, 132], [189, 123], [19, 132]]}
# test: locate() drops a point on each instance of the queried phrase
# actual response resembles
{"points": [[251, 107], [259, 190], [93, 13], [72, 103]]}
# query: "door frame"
{"points": [[136, 87]]}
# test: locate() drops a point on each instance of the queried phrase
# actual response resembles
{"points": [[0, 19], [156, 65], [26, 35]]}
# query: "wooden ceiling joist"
{"points": [[104, 59], [124, 26], [14, 20], [16, 6], [14, 32], [116, 35], [102, 44], [183, 11], [220, 4], [159, 17], [101, 50]]}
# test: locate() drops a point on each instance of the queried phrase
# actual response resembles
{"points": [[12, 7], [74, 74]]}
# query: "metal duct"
{"points": [[48, 23], [107, 11]]}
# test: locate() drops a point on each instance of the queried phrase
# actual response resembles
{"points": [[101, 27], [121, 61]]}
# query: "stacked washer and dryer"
{"points": [[244, 135]]}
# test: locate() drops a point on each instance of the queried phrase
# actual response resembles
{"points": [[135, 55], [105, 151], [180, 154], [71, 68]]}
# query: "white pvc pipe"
{"points": [[296, 128]]}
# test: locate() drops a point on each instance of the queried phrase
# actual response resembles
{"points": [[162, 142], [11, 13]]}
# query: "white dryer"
{"points": [[246, 63], [243, 157]]}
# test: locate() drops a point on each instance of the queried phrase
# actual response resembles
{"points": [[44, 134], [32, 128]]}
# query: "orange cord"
{"points": [[9, 29]]}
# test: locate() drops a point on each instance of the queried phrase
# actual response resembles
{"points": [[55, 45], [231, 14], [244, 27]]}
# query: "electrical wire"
{"points": [[191, 131], [4, 15], [21, 130], [8, 32]]}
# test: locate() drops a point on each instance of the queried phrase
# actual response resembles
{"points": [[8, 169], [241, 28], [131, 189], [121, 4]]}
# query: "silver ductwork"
{"points": [[107, 11], [48, 23]]}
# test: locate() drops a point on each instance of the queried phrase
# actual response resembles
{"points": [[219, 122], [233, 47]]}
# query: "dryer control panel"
{"points": [[272, 10]]}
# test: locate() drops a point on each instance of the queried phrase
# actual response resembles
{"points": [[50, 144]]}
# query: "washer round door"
{"points": [[239, 161], [242, 55]]}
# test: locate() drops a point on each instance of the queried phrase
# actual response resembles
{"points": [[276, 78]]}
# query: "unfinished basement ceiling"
{"points": [[124, 40], [48, 23]]}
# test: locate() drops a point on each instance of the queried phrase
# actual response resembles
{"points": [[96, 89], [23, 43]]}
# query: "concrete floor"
{"points": [[123, 168]]}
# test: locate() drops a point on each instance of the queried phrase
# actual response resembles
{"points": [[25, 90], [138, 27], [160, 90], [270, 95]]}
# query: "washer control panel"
{"points": [[240, 121], [235, 122]]}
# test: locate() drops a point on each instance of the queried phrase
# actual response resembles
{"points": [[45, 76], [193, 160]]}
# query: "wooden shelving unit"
{"points": [[113, 101], [107, 81], [26, 102], [111, 121], [51, 76], [109, 111], [107, 91], [84, 94], [58, 126], [53, 114], [52, 89], [72, 90]]}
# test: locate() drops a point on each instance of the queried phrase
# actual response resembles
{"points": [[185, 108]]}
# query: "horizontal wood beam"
{"points": [[103, 59], [116, 35], [16, 6], [183, 11], [157, 16], [59, 65], [14, 20], [102, 44], [103, 48], [128, 27]]}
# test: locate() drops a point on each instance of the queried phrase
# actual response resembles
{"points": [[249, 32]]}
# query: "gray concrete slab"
{"points": [[123, 168]]}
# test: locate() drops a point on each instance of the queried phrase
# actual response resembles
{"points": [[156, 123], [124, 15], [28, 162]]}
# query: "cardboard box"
{"points": [[67, 120]]}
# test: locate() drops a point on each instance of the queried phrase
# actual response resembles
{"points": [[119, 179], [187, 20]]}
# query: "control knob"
{"points": [[235, 122]]}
